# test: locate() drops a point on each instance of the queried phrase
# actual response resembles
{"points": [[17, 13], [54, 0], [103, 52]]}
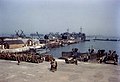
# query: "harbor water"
{"points": [[84, 46]]}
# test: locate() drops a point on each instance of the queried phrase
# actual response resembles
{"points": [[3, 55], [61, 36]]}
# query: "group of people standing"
{"points": [[29, 57], [36, 58]]}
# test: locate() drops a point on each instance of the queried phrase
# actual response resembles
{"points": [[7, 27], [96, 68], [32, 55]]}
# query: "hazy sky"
{"points": [[95, 16]]}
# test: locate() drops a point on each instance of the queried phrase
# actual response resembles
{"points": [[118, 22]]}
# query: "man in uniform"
{"points": [[53, 65]]}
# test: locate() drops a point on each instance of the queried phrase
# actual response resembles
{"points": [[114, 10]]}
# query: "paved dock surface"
{"points": [[33, 72]]}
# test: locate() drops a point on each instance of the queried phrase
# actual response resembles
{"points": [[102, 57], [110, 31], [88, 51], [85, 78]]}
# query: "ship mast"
{"points": [[68, 30], [81, 29]]}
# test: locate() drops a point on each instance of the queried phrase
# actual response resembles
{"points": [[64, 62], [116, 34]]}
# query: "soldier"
{"points": [[115, 56], [18, 59], [75, 60], [53, 65]]}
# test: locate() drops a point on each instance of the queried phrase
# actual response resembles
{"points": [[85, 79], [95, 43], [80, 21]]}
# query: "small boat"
{"points": [[23, 49], [39, 50], [42, 51], [106, 39], [87, 40]]}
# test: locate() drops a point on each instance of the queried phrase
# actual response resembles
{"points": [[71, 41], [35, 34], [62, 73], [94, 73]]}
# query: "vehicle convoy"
{"points": [[98, 57]]}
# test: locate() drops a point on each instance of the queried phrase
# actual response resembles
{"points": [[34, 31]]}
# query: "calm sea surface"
{"points": [[84, 46]]}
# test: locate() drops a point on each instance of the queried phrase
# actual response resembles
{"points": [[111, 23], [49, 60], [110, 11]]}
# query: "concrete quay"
{"points": [[33, 72]]}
